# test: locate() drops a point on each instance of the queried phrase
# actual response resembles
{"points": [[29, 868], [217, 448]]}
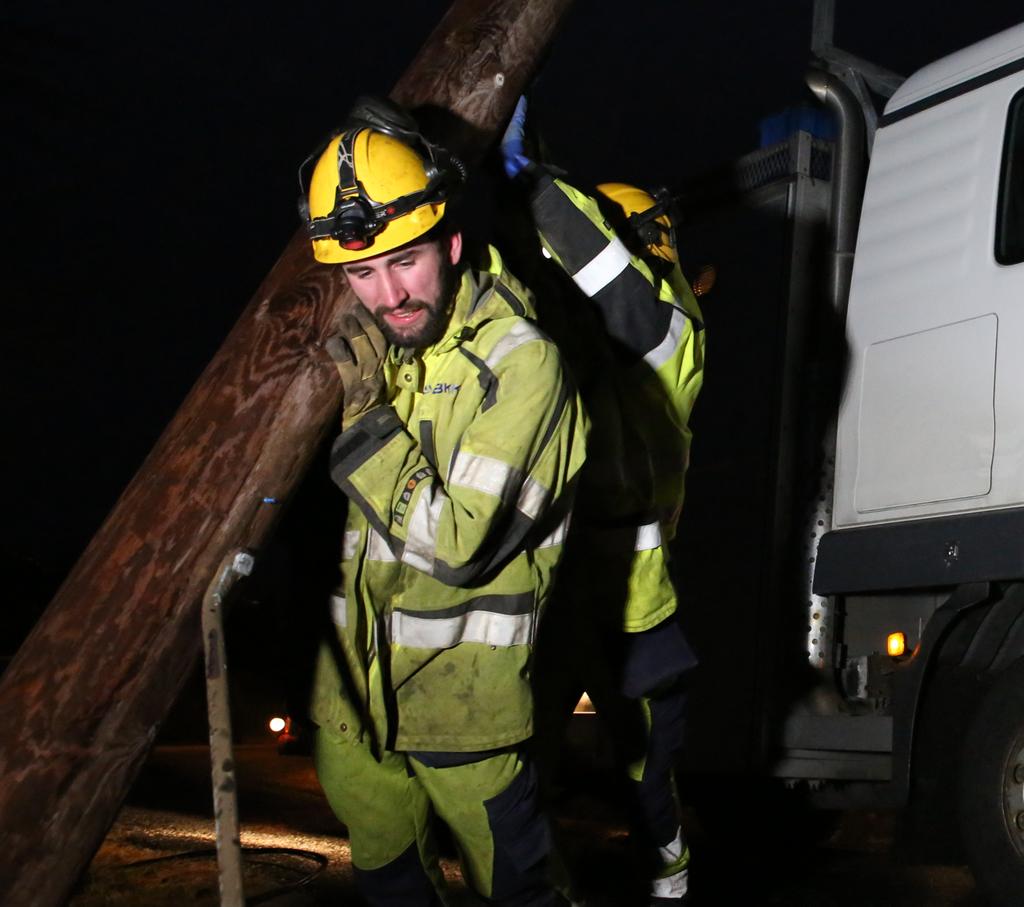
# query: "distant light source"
{"points": [[277, 724], [704, 280], [896, 644], [584, 706]]}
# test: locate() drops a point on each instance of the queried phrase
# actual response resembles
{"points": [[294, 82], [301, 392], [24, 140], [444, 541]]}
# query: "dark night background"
{"points": [[150, 156]]}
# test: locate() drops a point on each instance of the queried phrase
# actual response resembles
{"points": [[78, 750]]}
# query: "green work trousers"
{"points": [[488, 800]]}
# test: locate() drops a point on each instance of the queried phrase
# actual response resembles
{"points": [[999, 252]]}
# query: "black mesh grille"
{"points": [[760, 168]]}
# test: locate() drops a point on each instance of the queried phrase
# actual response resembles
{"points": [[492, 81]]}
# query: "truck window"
{"points": [[1010, 219]]}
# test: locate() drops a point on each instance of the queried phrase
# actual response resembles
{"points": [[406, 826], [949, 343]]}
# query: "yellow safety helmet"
{"points": [[369, 193], [647, 216]]}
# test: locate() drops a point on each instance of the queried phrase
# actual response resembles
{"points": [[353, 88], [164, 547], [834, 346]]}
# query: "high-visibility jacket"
{"points": [[459, 499], [637, 347]]}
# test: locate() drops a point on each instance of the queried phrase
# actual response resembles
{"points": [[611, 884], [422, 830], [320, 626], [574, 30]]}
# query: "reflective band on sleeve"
{"points": [[557, 535], [339, 610], [657, 357], [378, 550], [532, 498], [521, 332], [648, 537], [480, 473], [421, 543], [603, 268], [349, 543], [486, 627]]}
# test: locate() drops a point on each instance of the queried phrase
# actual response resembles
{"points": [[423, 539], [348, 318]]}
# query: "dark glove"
{"points": [[358, 351], [513, 149]]}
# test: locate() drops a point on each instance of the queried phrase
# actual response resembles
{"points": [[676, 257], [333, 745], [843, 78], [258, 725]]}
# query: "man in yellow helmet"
{"points": [[461, 440], [632, 332]]}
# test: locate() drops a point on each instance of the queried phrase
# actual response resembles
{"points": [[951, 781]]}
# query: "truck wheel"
{"points": [[992, 789]]}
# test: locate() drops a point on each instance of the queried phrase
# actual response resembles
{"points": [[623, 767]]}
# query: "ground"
{"points": [[160, 850]]}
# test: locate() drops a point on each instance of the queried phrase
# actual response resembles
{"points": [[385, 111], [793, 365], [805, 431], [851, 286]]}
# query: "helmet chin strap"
{"points": [[646, 226]]}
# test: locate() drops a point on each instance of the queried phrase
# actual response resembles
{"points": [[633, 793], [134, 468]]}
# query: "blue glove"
{"points": [[512, 149]]}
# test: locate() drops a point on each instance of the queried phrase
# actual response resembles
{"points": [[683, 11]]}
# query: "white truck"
{"points": [[883, 664]]}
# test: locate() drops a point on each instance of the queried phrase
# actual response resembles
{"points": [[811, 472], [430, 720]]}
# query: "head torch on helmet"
{"points": [[649, 225], [352, 223], [650, 218], [374, 186], [355, 218]]}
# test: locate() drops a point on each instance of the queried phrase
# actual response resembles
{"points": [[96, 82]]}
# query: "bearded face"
{"points": [[410, 292]]}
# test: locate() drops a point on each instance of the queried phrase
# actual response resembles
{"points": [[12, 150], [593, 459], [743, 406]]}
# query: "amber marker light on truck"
{"points": [[704, 280], [896, 644]]}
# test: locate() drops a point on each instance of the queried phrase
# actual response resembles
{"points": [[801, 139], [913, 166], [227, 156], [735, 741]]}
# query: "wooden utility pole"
{"points": [[82, 700]]}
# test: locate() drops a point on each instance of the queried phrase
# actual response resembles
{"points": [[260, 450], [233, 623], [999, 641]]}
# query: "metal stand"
{"points": [[225, 798]]}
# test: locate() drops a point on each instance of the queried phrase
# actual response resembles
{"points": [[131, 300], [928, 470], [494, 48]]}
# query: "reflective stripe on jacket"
{"points": [[459, 494], [640, 396]]}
